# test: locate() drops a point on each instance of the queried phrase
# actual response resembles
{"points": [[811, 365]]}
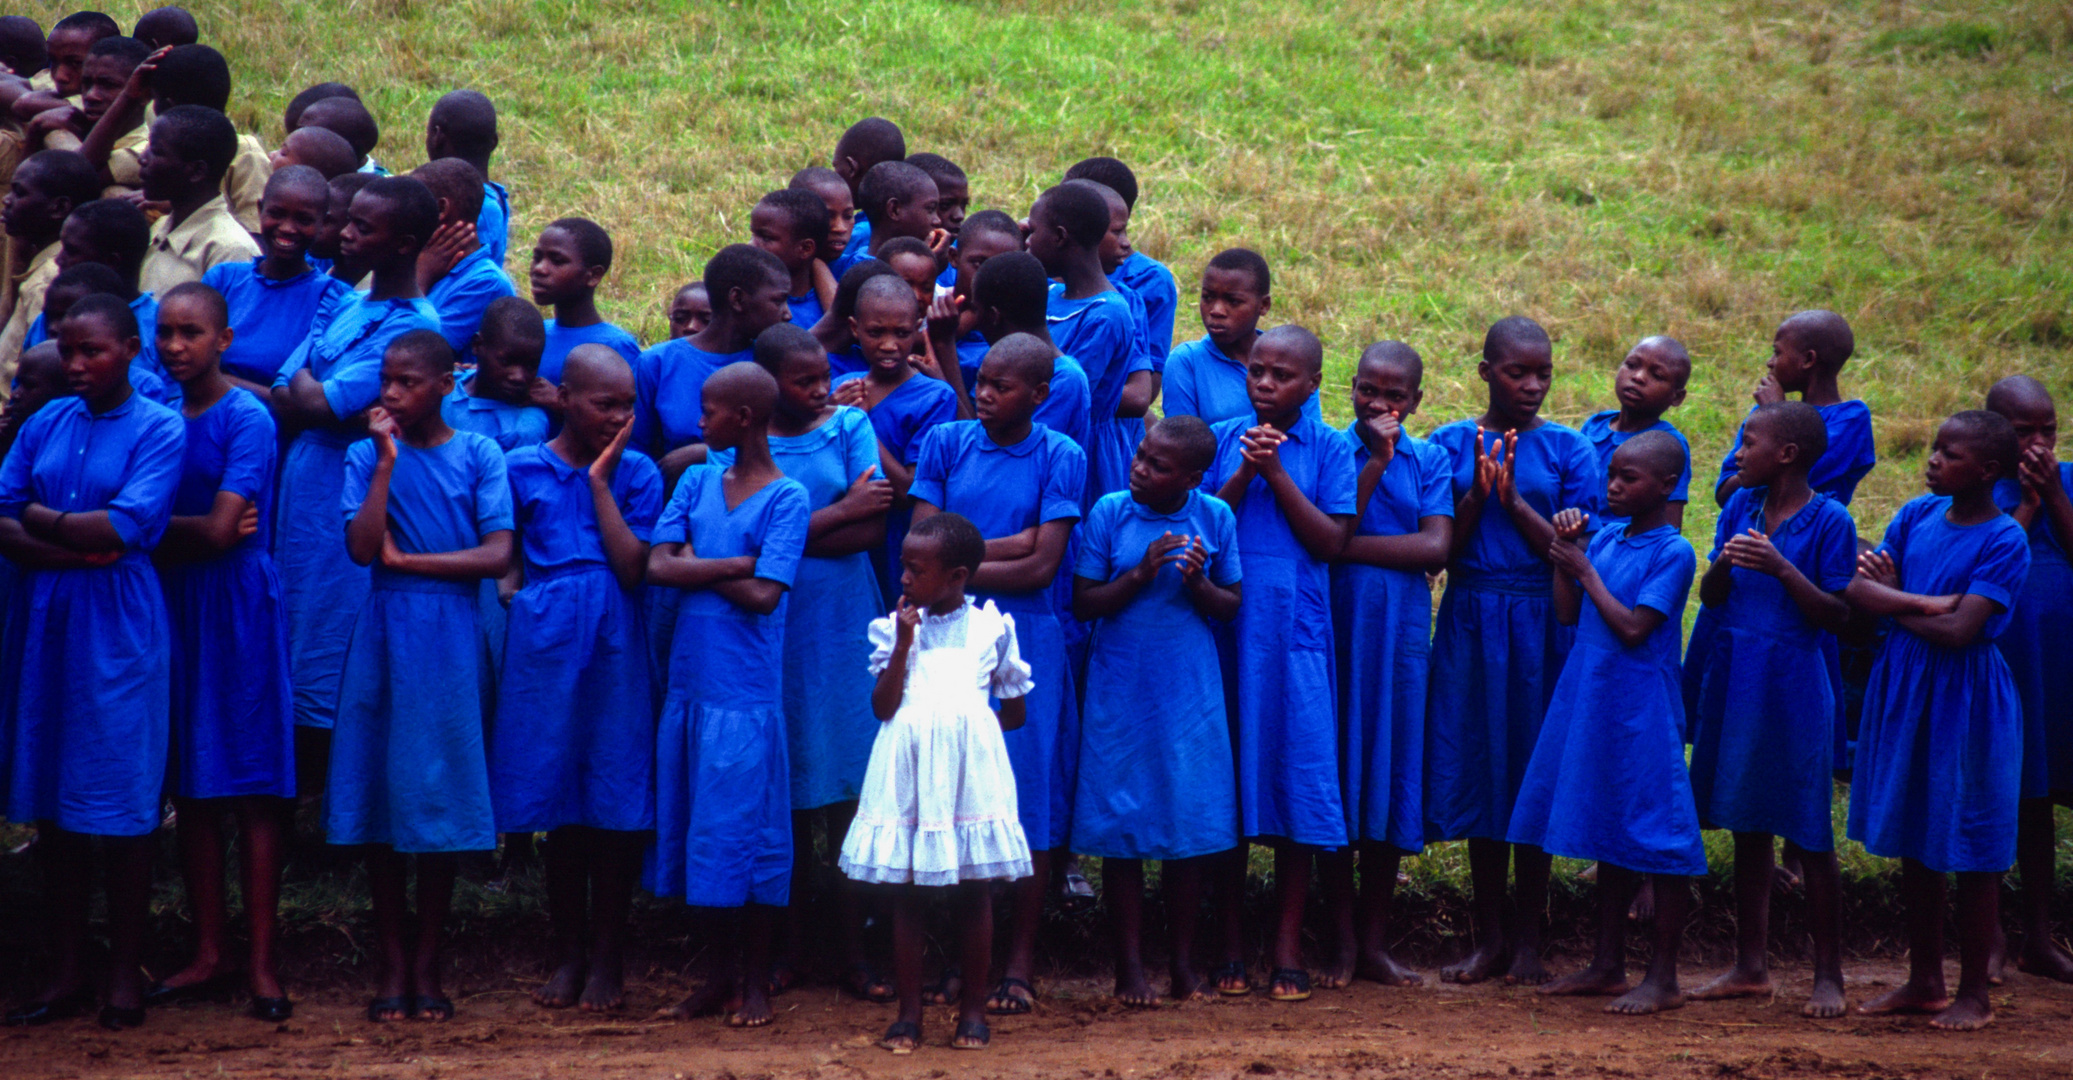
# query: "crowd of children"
{"points": [[918, 559]]}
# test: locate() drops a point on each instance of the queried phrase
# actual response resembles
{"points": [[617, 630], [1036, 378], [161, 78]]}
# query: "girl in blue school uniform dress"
{"points": [[1292, 483], [1382, 628], [1607, 779], [275, 298], [1497, 647], [85, 494], [832, 452], [730, 541], [1155, 566], [2038, 639], [572, 752], [569, 262], [495, 397], [1940, 752], [430, 508], [1020, 483], [233, 710], [1782, 555]]}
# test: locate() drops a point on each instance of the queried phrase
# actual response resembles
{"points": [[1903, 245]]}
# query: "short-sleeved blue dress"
{"points": [[1103, 334], [1203, 380], [562, 339], [464, 294], [1067, 410], [1607, 779], [1607, 440], [900, 419], [1940, 748], [271, 318], [668, 379], [2038, 645]]}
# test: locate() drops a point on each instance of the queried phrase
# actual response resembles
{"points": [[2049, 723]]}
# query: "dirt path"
{"points": [[1367, 1031]]}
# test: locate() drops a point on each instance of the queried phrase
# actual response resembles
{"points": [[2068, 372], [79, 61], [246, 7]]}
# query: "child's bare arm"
{"points": [[1717, 582], [757, 596], [1322, 535], [36, 553], [2040, 472], [1876, 591], [490, 559], [1754, 551], [855, 522], [1568, 563], [1019, 545], [625, 553], [892, 682], [677, 566], [1573, 568], [1029, 572], [1093, 599], [824, 285], [1955, 629], [86, 532], [1014, 712], [1139, 391], [368, 533], [193, 538], [1423, 551]]}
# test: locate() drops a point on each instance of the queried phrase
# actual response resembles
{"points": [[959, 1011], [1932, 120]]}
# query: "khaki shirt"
{"points": [[28, 303], [246, 181], [125, 162], [178, 255]]}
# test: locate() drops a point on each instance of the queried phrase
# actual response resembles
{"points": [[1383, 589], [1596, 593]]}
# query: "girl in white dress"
{"points": [[938, 806]]}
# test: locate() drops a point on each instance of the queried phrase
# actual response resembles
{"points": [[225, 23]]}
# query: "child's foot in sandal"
{"points": [[866, 984], [1231, 979], [1289, 984], [1011, 997], [971, 1035], [946, 990], [902, 1037]]}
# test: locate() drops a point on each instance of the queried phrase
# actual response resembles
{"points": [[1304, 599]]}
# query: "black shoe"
{"points": [[216, 988], [273, 1010], [115, 1018], [38, 1013]]}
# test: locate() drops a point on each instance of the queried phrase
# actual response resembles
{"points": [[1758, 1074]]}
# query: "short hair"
{"points": [[1825, 332], [299, 178], [86, 279], [889, 180], [1191, 436], [1109, 196], [167, 26], [297, 105], [469, 119], [456, 183], [1015, 285], [428, 349], [90, 22], [22, 40], [1659, 451], [193, 75], [1031, 358], [1672, 349], [873, 139], [1297, 340], [515, 319], [1794, 422], [42, 355], [1244, 261], [117, 312], [815, 177], [348, 184], [126, 49], [348, 117], [415, 208], [995, 222], [938, 167], [806, 216], [1511, 333], [1110, 173], [119, 231], [64, 174], [1076, 207], [782, 342], [2017, 391], [956, 539], [852, 283], [591, 358], [1395, 354], [207, 295], [888, 285], [1993, 434], [742, 266], [199, 133], [744, 384], [593, 243], [324, 150], [904, 245]]}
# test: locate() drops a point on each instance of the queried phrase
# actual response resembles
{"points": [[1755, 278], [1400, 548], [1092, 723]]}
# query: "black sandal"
{"points": [[1295, 977], [403, 1005], [1015, 1006], [866, 984], [972, 1035], [901, 1029], [273, 1010], [783, 979], [938, 992], [433, 1008], [1232, 970]]}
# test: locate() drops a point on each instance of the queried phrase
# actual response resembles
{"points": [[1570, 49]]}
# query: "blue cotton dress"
{"points": [[668, 379], [1607, 778], [1154, 285], [574, 738], [1605, 439], [493, 225], [324, 587], [233, 704], [1004, 490], [723, 813], [271, 318], [510, 426], [1762, 745], [561, 339], [1202, 380], [409, 769], [1382, 628], [1102, 333], [83, 711], [806, 309], [829, 723], [1068, 409], [160, 387], [1497, 648], [1278, 655], [1940, 747], [464, 294], [857, 250], [2037, 645], [900, 420], [1156, 778]]}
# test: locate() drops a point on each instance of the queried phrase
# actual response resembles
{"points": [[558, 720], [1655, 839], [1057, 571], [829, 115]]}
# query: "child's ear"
{"points": [[594, 276], [1679, 399], [1042, 392], [1266, 303], [224, 337], [1483, 370]]}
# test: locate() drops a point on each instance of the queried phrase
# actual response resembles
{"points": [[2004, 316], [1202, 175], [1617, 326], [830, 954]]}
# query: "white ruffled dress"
{"points": [[938, 804]]}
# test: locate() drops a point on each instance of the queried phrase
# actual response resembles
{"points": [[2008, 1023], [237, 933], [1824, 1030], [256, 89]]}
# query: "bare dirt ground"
{"points": [[1078, 1032]]}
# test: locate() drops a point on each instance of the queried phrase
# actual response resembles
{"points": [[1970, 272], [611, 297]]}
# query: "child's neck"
{"points": [[278, 267], [752, 460], [574, 449], [1630, 421], [1822, 389], [949, 603], [722, 335], [1282, 422], [1655, 517], [1494, 419], [199, 394], [114, 397], [426, 433], [891, 377], [1083, 277], [1169, 506], [1008, 432], [396, 281], [1784, 495], [1240, 349], [802, 279], [1973, 505], [578, 311], [785, 424], [184, 206]]}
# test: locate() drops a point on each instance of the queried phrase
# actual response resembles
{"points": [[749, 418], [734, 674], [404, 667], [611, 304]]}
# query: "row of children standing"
{"points": [[736, 720]]}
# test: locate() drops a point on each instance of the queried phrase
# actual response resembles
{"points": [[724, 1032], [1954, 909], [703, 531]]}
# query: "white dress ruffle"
{"points": [[938, 804]]}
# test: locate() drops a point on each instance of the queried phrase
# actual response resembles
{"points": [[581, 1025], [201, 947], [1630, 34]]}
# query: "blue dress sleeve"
{"points": [[492, 488], [932, 469], [2004, 561], [859, 443], [1224, 567], [640, 497], [1894, 543], [359, 471], [941, 410], [1850, 442], [1835, 554], [673, 525], [647, 428], [1227, 460], [1435, 482], [1096, 561], [353, 386], [1177, 389], [1669, 579], [1337, 476], [298, 358], [1065, 481], [1682, 492], [784, 534], [17, 477], [144, 504], [248, 463]]}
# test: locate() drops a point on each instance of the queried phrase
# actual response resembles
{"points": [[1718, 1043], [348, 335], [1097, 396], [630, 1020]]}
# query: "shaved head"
{"points": [[1671, 352], [744, 385], [1296, 343], [596, 367], [2020, 394], [1395, 354], [1824, 333], [1796, 423], [1656, 451], [321, 149], [1028, 358]]}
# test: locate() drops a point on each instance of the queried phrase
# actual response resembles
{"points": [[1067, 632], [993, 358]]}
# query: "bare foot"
{"points": [[1376, 965], [1590, 982], [1526, 968], [196, 973], [560, 989], [1965, 1014], [2043, 956], [1784, 878], [1133, 989], [1186, 984], [1643, 909], [1338, 975], [1486, 962], [708, 1000], [754, 1009], [605, 990], [1736, 982], [1647, 998], [1827, 1001], [1997, 958], [1907, 999]]}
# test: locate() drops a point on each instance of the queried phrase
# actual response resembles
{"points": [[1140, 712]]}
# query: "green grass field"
{"points": [[1412, 170]]}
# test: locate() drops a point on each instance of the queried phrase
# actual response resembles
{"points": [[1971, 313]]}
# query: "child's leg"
{"points": [[67, 859], [975, 921], [1658, 991], [1291, 890], [1607, 973], [758, 923], [1825, 924], [1530, 868], [722, 929], [1336, 868], [615, 867], [1013, 996], [435, 877], [1181, 880], [569, 851], [129, 913], [848, 904], [262, 829], [1923, 890], [1378, 867], [391, 902], [1122, 880], [1979, 919], [1751, 975], [1229, 869], [2035, 848], [1487, 866], [798, 922], [200, 837], [910, 909]]}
